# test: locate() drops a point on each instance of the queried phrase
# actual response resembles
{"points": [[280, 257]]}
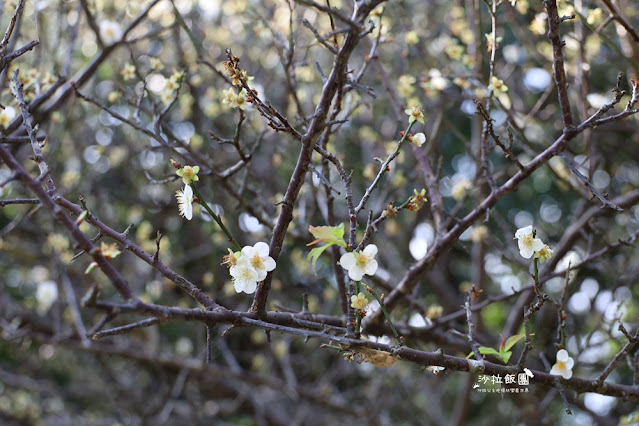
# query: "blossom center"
{"points": [[257, 263], [189, 172], [362, 260], [245, 274]]}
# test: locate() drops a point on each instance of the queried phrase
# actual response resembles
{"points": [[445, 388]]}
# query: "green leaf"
{"points": [[328, 234], [331, 235], [484, 350], [512, 341], [315, 254], [505, 356]]}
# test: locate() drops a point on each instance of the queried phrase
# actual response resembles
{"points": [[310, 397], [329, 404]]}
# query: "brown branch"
{"points": [[558, 62], [20, 139], [488, 122], [584, 180], [91, 21], [182, 282], [296, 182], [12, 24], [83, 76], [570, 236], [19, 201], [288, 323], [126, 328], [616, 15], [47, 199], [633, 341], [472, 294]]}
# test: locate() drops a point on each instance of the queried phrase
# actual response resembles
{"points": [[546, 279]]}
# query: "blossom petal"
{"points": [[188, 211], [355, 273], [370, 251], [262, 249], [250, 287], [261, 274], [525, 251], [537, 244], [248, 251], [239, 287], [347, 260], [371, 267], [418, 139], [524, 231], [556, 370], [269, 264]]}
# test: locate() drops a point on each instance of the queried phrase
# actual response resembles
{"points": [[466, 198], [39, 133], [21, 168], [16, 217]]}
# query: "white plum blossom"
{"points": [[258, 259], [6, 115], [359, 301], [528, 245], [110, 32], [46, 295], [563, 366], [361, 263], [185, 202], [544, 253], [250, 266], [417, 140], [244, 276]]}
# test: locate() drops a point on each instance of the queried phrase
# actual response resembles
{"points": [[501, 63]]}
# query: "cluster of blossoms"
{"points": [[417, 201], [173, 83], [529, 245], [249, 266], [33, 82], [237, 75], [235, 100]]}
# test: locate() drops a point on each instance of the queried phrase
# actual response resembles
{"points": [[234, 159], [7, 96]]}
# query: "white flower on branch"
{"points": [[250, 266], [527, 243], [563, 366], [361, 263], [185, 202], [244, 276], [417, 140], [7, 114], [258, 258], [359, 301], [110, 32]]}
